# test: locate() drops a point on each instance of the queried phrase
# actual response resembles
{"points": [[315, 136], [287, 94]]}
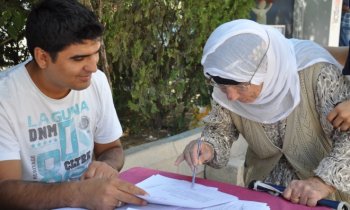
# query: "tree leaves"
{"points": [[157, 43], [12, 21], [154, 48]]}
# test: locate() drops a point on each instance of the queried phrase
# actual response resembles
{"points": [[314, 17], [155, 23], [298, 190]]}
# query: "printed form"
{"points": [[173, 194]]}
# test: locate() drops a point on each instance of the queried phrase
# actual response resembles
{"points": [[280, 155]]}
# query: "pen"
{"points": [[199, 142], [278, 190]]}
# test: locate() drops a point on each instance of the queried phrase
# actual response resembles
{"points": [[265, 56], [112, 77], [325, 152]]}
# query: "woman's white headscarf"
{"points": [[234, 51]]}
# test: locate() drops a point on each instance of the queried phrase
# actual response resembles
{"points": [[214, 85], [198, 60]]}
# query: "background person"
{"points": [[344, 37], [340, 115], [276, 93], [56, 112]]}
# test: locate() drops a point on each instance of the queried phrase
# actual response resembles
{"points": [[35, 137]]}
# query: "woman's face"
{"points": [[245, 93]]}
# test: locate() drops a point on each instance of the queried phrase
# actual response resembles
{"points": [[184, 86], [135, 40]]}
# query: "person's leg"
{"points": [[345, 30]]}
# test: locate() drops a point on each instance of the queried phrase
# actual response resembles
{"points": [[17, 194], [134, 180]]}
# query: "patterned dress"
{"points": [[331, 89]]}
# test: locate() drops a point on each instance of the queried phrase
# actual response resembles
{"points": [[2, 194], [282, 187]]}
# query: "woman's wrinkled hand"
{"points": [[190, 154]]}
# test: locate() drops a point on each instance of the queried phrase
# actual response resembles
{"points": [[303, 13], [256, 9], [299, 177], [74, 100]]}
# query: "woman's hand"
{"points": [[307, 192], [190, 154]]}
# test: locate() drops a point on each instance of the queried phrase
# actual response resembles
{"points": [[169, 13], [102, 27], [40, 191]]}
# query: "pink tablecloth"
{"points": [[137, 174]]}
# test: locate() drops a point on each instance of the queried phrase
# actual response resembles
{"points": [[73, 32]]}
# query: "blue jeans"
{"points": [[344, 30]]}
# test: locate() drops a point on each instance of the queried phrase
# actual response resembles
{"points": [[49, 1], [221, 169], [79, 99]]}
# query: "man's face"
{"points": [[73, 68]]}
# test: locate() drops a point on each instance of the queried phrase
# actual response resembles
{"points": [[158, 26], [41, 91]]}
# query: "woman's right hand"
{"points": [[190, 154]]}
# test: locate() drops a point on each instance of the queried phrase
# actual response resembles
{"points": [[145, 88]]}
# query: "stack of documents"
{"points": [[173, 194]]}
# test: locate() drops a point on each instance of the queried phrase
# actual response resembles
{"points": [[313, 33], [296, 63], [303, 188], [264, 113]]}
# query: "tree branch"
{"points": [[3, 42]]}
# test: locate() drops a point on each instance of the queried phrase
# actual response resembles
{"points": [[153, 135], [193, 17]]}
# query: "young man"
{"points": [[56, 112]]}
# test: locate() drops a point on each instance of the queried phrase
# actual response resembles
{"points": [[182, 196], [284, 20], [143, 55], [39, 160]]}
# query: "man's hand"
{"points": [[95, 193], [340, 116], [98, 169], [307, 192], [107, 193]]}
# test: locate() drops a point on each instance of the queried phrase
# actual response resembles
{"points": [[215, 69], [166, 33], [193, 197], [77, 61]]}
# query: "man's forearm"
{"points": [[16, 194], [113, 157]]}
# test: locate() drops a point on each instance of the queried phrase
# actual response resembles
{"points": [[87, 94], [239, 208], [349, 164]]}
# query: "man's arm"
{"points": [[10, 169], [105, 193], [109, 161], [111, 153], [17, 194]]}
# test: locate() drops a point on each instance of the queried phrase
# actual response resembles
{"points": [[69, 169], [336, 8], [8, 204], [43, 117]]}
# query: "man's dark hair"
{"points": [[55, 24]]}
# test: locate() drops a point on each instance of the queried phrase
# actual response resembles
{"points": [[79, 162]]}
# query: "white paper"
{"points": [[240, 205], [174, 192], [254, 205], [236, 205]]}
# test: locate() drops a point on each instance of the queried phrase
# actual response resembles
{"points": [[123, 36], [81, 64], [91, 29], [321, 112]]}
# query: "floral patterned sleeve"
{"points": [[220, 132], [333, 88]]}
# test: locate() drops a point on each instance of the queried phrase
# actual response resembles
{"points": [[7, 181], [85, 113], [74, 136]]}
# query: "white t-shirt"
{"points": [[54, 139]]}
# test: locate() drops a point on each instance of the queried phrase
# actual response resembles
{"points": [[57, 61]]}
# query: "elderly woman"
{"points": [[276, 93]]}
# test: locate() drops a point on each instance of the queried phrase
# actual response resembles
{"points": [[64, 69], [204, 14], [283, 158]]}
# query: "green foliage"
{"points": [[12, 20], [155, 47]]}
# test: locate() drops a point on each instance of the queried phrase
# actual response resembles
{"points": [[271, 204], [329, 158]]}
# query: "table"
{"points": [[138, 174]]}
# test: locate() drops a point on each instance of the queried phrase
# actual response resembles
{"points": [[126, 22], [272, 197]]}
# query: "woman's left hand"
{"points": [[307, 192]]}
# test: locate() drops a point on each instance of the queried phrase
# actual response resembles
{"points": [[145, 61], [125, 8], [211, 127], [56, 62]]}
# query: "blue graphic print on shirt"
{"points": [[64, 137]]}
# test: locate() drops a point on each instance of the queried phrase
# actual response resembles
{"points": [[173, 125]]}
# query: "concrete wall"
{"points": [[318, 20], [162, 154]]}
